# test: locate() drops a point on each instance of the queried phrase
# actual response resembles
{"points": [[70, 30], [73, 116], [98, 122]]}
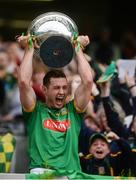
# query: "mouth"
{"points": [[60, 100], [99, 152]]}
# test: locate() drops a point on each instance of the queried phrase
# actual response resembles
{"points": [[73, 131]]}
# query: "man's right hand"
{"points": [[27, 41]]}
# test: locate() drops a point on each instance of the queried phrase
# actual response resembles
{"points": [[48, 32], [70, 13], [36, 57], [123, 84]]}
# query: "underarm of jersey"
{"points": [[78, 109], [30, 109]]}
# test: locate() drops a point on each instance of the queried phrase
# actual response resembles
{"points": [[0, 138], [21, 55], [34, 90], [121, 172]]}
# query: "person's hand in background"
{"points": [[112, 136], [105, 89]]}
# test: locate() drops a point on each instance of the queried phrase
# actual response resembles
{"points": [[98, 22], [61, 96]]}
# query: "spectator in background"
{"points": [[129, 133], [101, 161], [103, 51], [1, 41], [4, 61], [128, 45], [2, 92], [103, 39], [15, 52], [13, 105], [10, 103], [131, 84], [113, 119], [118, 86]]}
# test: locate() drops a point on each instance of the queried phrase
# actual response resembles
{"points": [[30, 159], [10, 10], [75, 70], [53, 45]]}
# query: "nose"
{"points": [[99, 145], [61, 91]]}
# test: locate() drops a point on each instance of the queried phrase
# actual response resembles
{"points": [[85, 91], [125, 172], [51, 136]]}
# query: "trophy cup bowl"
{"points": [[54, 32]]}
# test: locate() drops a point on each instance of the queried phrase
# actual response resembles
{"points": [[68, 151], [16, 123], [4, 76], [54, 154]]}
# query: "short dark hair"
{"points": [[53, 74]]}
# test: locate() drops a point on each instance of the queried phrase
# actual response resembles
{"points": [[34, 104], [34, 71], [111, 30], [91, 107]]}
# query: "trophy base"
{"points": [[56, 51]]}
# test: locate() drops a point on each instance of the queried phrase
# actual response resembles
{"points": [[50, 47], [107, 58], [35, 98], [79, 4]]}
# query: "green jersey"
{"points": [[53, 137]]}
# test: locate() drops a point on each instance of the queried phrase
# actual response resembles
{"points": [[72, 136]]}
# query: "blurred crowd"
{"points": [[107, 141]]}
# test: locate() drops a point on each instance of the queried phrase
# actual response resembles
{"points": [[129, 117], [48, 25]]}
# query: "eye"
{"points": [[95, 144], [65, 87], [56, 87]]}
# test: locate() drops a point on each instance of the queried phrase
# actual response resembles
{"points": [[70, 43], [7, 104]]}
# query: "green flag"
{"points": [[108, 74]]}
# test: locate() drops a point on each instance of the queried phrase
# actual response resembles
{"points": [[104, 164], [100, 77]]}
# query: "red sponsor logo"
{"points": [[60, 126]]}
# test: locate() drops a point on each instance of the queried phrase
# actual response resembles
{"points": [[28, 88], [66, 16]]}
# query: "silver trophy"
{"points": [[54, 33]]}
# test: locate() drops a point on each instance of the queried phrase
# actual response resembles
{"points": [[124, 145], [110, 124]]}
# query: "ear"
{"points": [[44, 88], [90, 150]]}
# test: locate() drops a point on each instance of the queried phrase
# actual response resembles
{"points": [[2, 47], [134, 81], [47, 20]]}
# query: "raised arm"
{"points": [[112, 116], [27, 94], [82, 93]]}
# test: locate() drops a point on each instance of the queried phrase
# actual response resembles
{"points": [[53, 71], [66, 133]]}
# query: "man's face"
{"points": [[99, 148], [56, 92]]}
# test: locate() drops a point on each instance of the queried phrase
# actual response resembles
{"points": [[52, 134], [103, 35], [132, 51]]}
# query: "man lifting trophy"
{"points": [[53, 126]]}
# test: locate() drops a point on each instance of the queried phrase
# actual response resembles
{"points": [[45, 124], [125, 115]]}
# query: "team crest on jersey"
{"points": [[101, 170], [64, 111], [60, 126]]}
